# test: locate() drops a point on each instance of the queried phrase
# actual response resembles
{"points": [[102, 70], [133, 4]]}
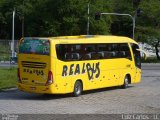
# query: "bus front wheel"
{"points": [[126, 82], [77, 89]]}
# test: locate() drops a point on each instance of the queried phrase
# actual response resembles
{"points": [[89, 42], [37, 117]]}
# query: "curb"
{"points": [[8, 89]]}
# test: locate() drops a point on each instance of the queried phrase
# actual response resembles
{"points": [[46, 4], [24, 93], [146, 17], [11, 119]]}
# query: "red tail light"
{"points": [[50, 78], [18, 75]]}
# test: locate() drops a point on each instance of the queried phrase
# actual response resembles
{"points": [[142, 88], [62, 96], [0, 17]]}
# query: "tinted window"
{"points": [[114, 50], [71, 52], [124, 51]]}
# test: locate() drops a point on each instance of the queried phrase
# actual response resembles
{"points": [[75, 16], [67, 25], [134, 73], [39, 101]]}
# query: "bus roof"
{"points": [[92, 39], [87, 39]]}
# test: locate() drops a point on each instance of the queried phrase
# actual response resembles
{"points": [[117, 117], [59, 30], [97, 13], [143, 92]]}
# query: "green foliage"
{"points": [[4, 52], [8, 78], [148, 28], [122, 25], [53, 17], [69, 17]]}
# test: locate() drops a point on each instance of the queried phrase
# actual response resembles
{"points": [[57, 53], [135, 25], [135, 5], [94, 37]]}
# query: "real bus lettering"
{"points": [[77, 70], [74, 69], [83, 69]]}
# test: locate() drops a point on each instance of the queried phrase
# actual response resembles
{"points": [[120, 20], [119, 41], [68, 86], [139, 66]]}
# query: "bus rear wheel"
{"points": [[126, 82], [77, 89]]}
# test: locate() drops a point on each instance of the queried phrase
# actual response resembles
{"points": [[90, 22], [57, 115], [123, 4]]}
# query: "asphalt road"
{"points": [[139, 98]]}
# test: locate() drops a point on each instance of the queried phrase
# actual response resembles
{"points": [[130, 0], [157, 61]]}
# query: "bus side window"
{"points": [[96, 55], [68, 56], [124, 51], [69, 52], [86, 57], [75, 56], [88, 49], [107, 55], [60, 50], [101, 54], [113, 49]]}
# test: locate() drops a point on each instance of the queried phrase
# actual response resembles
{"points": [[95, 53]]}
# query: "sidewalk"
{"points": [[7, 64], [155, 64], [4, 62]]}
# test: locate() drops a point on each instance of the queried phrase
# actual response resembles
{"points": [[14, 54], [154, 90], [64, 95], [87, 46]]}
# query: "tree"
{"points": [[69, 17], [148, 29], [122, 25]]}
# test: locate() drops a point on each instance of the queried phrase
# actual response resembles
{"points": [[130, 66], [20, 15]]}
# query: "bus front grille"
{"points": [[33, 64]]}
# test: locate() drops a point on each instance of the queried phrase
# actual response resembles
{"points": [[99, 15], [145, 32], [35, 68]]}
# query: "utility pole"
{"points": [[88, 17], [119, 14], [12, 43], [23, 20]]}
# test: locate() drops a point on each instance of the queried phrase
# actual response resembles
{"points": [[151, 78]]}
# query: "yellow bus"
{"points": [[73, 64]]}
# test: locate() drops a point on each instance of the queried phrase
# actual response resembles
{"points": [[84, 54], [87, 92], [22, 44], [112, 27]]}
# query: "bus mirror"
{"points": [[21, 40], [145, 55]]}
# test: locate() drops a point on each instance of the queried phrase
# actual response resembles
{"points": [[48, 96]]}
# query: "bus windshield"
{"points": [[34, 46], [137, 56]]}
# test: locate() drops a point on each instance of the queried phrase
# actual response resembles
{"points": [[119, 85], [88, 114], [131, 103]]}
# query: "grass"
{"points": [[8, 78], [4, 52]]}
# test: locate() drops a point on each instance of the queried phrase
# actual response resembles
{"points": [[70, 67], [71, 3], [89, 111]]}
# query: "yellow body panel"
{"points": [[94, 74]]}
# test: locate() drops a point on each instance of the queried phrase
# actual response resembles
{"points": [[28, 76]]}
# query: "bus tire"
{"points": [[126, 82], [77, 89]]}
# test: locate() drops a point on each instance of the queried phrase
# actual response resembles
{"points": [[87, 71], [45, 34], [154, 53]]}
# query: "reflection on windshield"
{"points": [[35, 46]]}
